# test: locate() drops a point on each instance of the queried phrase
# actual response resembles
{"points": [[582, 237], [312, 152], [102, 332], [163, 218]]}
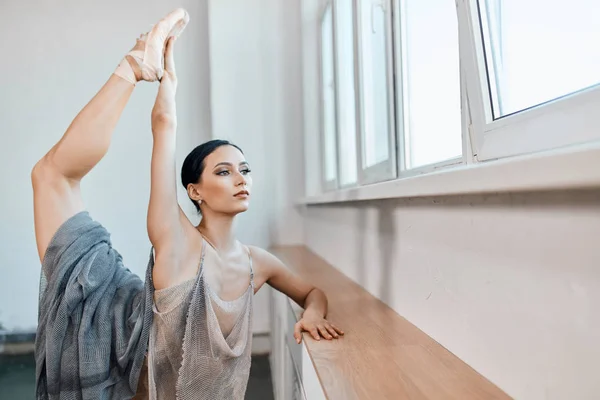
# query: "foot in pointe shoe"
{"points": [[146, 60]]}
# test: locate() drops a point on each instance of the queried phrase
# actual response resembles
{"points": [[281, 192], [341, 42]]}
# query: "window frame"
{"points": [[385, 170], [357, 116], [332, 184], [538, 128], [401, 93]]}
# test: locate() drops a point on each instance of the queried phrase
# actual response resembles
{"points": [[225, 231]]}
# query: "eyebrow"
{"points": [[228, 164]]}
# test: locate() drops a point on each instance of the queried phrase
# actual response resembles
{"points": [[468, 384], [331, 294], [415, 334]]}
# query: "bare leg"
{"points": [[56, 177]]}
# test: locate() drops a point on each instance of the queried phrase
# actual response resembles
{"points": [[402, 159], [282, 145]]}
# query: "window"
{"points": [[377, 142], [538, 50], [328, 89], [529, 70], [410, 86], [430, 97], [362, 102], [346, 100]]}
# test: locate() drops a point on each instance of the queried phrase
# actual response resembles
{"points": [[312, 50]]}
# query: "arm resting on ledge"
{"points": [[307, 296]]}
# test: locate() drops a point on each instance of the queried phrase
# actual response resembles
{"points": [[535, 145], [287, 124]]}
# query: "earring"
{"points": [[199, 202]]}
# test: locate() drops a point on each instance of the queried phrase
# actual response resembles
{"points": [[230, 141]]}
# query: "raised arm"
{"points": [[165, 225]]}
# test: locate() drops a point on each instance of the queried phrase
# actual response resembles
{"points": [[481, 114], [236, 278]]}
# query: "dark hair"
{"points": [[193, 165]]}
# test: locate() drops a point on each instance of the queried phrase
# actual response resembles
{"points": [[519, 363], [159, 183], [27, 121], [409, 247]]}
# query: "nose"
{"points": [[241, 180]]}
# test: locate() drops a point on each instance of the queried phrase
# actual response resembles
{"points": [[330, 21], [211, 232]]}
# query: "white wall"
{"points": [[256, 102], [56, 55]]}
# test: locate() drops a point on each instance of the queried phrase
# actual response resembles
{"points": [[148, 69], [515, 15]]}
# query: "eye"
{"points": [[245, 171], [223, 173]]}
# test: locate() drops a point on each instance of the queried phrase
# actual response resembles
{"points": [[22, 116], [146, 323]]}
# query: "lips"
{"points": [[243, 193]]}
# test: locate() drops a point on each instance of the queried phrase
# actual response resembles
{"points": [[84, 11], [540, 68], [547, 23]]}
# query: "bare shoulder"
{"points": [[264, 260], [271, 270]]}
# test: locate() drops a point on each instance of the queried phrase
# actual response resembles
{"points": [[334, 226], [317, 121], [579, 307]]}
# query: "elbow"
{"points": [[163, 122]]}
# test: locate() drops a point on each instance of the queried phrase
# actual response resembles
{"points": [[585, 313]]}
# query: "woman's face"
{"points": [[225, 185]]}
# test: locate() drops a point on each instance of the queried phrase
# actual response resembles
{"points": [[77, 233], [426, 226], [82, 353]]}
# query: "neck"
{"points": [[218, 231]]}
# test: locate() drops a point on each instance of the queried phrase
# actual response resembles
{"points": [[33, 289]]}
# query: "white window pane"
{"points": [[432, 117], [374, 81], [346, 95], [539, 50], [329, 124]]}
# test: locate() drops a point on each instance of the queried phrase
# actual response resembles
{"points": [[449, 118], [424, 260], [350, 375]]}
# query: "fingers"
{"points": [[335, 328], [298, 332], [323, 331], [332, 331], [314, 333], [169, 60]]}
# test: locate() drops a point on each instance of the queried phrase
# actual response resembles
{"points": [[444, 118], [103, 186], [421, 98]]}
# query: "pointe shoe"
{"points": [[148, 52]]}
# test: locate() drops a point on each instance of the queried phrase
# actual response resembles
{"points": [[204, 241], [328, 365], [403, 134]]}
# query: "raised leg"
{"points": [[56, 177]]}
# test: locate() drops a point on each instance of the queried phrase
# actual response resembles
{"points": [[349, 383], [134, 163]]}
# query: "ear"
{"points": [[194, 193]]}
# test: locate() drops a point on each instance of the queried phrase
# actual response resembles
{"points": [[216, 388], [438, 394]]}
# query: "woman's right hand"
{"points": [[164, 113]]}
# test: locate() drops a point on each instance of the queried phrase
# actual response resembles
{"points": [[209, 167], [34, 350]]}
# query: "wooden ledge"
{"points": [[382, 355]]}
